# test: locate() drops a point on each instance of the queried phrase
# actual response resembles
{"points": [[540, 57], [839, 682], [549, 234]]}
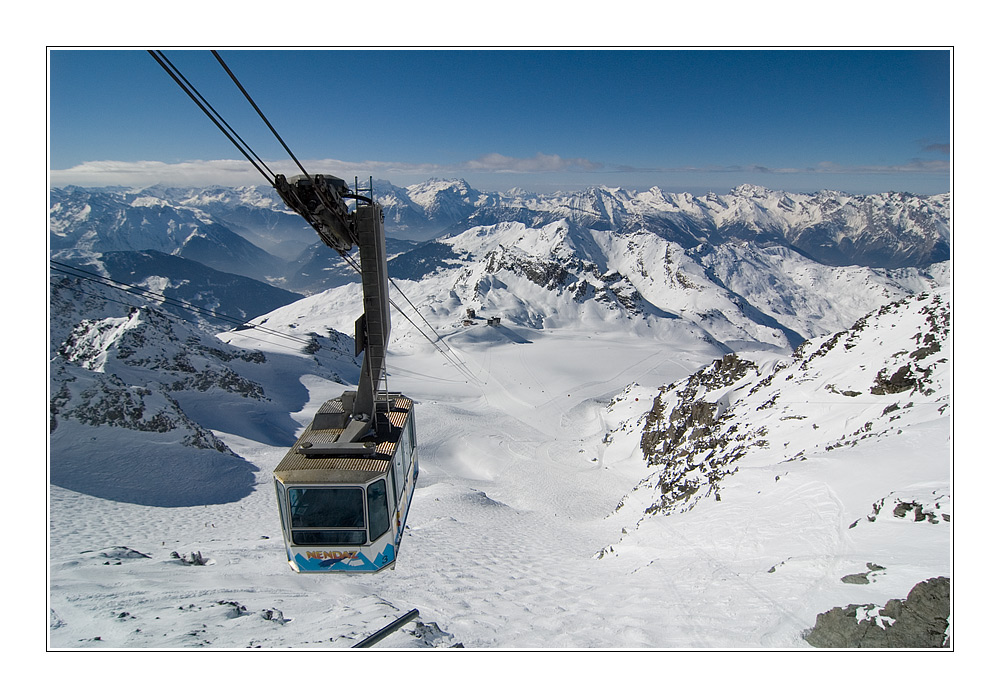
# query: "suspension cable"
{"points": [[259, 112], [417, 311], [457, 364], [147, 294], [446, 351], [234, 137], [208, 104], [213, 115]]}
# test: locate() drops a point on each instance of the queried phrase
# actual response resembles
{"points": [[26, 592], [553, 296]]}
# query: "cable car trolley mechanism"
{"points": [[345, 487]]}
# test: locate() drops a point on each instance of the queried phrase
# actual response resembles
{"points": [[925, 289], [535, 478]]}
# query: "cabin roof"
{"points": [[297, 468]]}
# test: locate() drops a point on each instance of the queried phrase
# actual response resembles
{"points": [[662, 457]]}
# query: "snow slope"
{"points": [[844, 450], [545, 516], [514, 540]]}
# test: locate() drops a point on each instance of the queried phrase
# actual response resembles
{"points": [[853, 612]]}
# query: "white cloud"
{"points": [[916, 165], [495, 162], [148, 172], [218, 172], [241, 172]]}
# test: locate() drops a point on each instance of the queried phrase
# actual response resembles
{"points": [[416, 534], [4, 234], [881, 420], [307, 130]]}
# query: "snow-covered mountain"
{"points": [[564, 276], [750, 266], [255, 212], [213, 299], [110, 221], [129, 377], [887, 373], [679, 435], [444, 203], [881, 230], [844, 448], [734, 294], [320, 267]]}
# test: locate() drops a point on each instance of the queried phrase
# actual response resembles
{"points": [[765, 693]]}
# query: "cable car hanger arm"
{"points": [[320, 201]]}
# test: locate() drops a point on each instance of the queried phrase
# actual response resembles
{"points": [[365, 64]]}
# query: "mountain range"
{"points": [[757, 356], [243, 229], [738, 247], [751, 269], [882, 230]]}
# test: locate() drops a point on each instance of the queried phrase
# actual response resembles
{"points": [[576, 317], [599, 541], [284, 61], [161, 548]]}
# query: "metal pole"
{"points": [[388, 630]]}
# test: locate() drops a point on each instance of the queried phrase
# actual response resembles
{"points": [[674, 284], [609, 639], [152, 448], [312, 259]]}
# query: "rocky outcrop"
{"points": [[103, 399], [691, 444], [147, 344], [920, 620], [700, 428]]}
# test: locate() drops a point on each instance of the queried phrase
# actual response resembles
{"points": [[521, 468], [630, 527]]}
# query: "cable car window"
{"points": [[411, 434], [393, 499], [378, 509], [280, 491], [327, 507], [400, 471], [315, 508], [406, 443], [315, 536]]}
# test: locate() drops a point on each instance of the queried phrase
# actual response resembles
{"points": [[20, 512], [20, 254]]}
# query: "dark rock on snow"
{"points": [[921, 620]]}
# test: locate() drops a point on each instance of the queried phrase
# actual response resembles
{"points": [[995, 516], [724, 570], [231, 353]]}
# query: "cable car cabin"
{"points": [[344, 509]]}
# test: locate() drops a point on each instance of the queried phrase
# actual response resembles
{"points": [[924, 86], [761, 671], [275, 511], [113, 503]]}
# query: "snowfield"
{"points": [[513, 539], [510, 508], [683, 434]]}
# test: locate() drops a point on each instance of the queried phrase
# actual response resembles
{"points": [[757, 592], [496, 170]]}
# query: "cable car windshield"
{"points": [[317, 508]]}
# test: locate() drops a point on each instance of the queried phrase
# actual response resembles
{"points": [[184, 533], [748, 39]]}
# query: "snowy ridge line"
{"points": [[146, 293], [887, 231], [152, 295], [459, 365], [171, 315], [177, 317], [700, 427], [899, 227]]}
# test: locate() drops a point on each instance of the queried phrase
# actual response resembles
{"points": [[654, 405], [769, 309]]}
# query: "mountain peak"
{"points": [[753, 191], [437, 184]]}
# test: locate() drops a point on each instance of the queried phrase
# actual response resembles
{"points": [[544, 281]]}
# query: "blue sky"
{"points": [[684, 120]]}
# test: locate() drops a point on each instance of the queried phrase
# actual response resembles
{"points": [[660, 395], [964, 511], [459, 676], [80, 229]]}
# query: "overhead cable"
{"points": [[260, 165], [171, 315], [446, 351], [212, 114], [259, 112], [160, 298]]}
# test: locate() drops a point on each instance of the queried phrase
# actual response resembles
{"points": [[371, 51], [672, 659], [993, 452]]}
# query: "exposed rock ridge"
{"points": [[920, 620], [700, 428]]}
